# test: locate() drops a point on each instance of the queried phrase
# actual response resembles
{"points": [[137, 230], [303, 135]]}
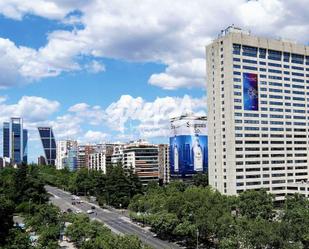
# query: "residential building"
{"points": [[83, 152], [117, 156], [97, 161], [49, 144], [164, 163], [142, 158], [63, 148], [15, 140], [257, 113]]}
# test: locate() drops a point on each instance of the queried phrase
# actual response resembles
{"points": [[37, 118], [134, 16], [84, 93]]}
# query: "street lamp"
{"points": [[29, 206], [197, 234]]}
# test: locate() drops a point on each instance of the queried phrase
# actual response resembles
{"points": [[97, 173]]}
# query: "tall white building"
{"points": [[63, 148], [258, 113]]}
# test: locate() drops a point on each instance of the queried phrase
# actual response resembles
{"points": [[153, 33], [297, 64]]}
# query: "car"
{"points": [[90, 211], [77, 211], [69, 210], [92, 207], [73, 203]]}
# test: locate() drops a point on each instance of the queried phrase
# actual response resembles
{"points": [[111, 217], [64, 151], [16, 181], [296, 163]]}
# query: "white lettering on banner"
{"points": [[188, 127]]}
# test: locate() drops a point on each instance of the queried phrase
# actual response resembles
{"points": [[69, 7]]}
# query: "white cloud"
{"points": [[173, 33], [93, 115], [150, 119], [95, 136], [16, 9], [31, 108], [95, 67], [187, 74]]}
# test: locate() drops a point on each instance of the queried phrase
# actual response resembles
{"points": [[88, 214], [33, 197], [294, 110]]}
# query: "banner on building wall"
{"points": [[188, 146], [188, 154], [250, 92]]}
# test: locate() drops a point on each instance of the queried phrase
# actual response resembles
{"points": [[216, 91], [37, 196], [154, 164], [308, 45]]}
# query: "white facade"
{"points": [[63, 147], [97, 161], [262, 145], [117, 156], [164, 162]]}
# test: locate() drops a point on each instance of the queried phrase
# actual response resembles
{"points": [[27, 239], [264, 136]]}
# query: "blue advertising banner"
{"points": [[250, 92], [188, 154]]}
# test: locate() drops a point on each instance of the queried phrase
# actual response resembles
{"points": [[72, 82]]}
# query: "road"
{"points": [[118, 223]]}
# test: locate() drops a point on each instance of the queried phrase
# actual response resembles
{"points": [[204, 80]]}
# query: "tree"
{"points": [[200, 180], [6, 218], [17, 239], [256, 204]]}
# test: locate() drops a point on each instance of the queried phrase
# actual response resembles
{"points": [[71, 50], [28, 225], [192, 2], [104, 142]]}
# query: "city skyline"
{"points": [[110, 75]]}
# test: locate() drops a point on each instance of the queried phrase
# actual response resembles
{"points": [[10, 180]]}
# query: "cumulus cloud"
{"points": [[31, 108], [172, 33], [128, 117], [95, 67], [95, 136], [150, 119]]}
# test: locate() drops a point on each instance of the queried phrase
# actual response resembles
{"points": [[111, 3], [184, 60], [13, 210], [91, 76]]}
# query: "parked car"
{"points": [[90, 211], [92, 207]]}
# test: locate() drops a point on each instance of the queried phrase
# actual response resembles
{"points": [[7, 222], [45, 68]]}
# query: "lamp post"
{"points": [[197, 234], [29, 206]]}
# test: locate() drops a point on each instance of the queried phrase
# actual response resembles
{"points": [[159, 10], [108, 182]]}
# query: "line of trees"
{"points": [[192, 214], [115, 188], [22, 192]]}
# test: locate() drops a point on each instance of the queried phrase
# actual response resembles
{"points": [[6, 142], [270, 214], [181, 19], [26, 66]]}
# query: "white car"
{"points": [[78, 212], [90, 211]]}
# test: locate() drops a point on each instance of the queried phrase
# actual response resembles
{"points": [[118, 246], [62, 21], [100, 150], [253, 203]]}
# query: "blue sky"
{"points": [[111, 70]]}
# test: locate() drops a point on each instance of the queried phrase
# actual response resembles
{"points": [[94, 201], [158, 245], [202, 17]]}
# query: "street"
{"points": [[118, 223]]}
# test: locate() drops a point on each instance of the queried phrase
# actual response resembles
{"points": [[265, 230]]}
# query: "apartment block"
{"points": [[142, 157]]}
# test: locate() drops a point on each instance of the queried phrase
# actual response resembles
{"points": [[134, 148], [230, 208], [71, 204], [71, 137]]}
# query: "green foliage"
{"points": [[6, 218], [180, 211], [200, 180], [256, 204], [17, 239], [115, 188], [88, 234]]}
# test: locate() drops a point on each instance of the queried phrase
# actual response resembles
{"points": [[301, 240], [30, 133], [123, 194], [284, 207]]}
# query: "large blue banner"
{"points": [[250, 92], [188, 154]]}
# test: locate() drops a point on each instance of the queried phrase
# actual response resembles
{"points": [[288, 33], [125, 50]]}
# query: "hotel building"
{"points": [[258, 113]]}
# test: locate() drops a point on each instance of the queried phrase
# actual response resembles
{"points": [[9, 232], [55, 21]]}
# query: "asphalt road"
{"points": [[118, 223]]}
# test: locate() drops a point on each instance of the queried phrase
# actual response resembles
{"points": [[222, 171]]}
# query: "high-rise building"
{"points": [[15, 140], [6, 140], [258, 113], [164, 163], [49, 144], [63, 149], [142, 157], [70, 161]]}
